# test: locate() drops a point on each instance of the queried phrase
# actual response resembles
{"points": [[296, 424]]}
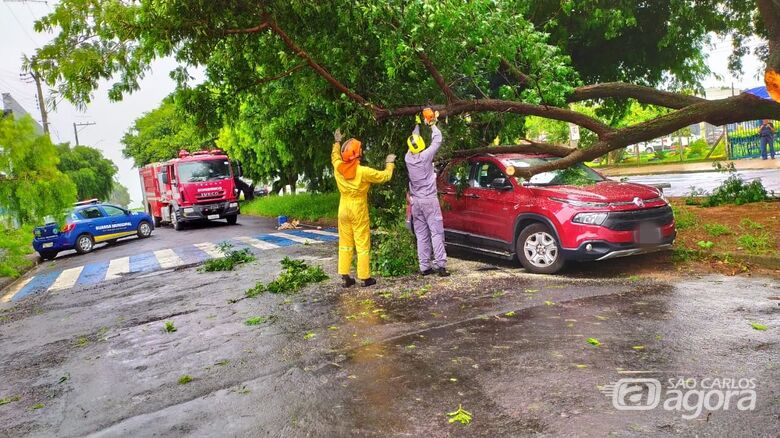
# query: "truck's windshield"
{"points": [[577, 175], [212, 170]]}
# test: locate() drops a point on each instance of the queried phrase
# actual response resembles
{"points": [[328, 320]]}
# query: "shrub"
{"points": [[296, 275], [735, 190], [716, 230], [748, 224], [660, 155], [14, 247], [394, 253]]}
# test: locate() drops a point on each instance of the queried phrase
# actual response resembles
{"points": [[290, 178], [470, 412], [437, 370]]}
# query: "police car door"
{"points": [[116, 223]]}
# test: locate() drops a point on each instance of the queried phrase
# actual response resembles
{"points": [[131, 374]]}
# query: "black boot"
{"points": [[443, 272], [369, 282], [348, 281], [428, 271]]}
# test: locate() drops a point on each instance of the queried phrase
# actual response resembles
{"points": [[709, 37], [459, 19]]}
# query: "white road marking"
{"points": [[168, 259], [15, 288], [322, 232], [259, 244], [117, 267], [67, 279], [210, 249], [295, 238]]}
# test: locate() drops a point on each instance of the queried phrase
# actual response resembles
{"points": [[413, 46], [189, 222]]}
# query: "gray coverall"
{"points": [[426, 211]]}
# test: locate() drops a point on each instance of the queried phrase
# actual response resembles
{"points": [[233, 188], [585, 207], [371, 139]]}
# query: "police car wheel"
{"points": [[144, 230], [48, 255], [84, 244]]}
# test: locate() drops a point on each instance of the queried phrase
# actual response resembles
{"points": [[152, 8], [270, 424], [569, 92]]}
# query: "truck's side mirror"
{"points": [[501, 184], [239, 169]]}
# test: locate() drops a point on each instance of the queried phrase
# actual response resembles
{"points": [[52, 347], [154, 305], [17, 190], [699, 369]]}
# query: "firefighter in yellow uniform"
{"points": [[354, 181]]}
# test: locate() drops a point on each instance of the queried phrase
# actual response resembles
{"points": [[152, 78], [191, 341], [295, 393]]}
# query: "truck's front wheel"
{"points": [[177, 225], [538, 250], [232, 219]]}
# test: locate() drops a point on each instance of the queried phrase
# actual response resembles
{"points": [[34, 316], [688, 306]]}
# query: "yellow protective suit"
{"points": [[353, 213]]}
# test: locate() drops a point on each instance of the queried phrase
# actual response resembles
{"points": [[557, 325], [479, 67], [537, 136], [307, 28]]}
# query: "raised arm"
{"points": [[335, 153], [374, 176]]}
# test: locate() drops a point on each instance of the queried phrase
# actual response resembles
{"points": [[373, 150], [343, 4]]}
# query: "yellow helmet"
{"points": [[416, 144]]}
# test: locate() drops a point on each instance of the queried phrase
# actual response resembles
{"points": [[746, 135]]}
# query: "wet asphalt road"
{"points": [[164, 237], [511, 348], [682, 182]]}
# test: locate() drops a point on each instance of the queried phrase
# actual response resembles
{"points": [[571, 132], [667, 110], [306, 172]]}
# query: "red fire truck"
{"points": [[194, 187]]}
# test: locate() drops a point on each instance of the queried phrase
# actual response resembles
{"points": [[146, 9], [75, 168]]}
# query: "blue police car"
{"points": [[89, 223]]}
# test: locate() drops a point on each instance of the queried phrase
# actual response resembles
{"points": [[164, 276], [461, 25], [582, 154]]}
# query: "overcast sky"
{"points": [[17, 38]]}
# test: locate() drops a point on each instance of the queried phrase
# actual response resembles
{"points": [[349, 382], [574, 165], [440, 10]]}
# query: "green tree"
{"points": [[361, 64], [160, 134], [119, 195], [92, 173], [32, 186]]}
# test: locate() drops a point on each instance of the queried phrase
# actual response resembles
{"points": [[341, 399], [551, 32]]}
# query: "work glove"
{"points": [[417, 119], [337, 135], [390, 159]]}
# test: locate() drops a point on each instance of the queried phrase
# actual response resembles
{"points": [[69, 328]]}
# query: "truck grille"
{"points": [[208, 196], [630, 220]]}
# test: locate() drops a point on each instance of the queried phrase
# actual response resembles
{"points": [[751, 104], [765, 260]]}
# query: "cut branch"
{"points": [[521, 78], [448, 93], [642, 94], [266, 80]]}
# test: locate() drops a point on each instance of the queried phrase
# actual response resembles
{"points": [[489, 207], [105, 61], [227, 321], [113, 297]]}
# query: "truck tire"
{"points": [[232, 219], [157, 221], [177, 225], [85, 244], [144, 230], [538, 250]]}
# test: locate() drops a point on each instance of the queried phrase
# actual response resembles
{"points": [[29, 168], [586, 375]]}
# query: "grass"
{"points": [[716, 230], [683, 217], [169, 327], [185, 379], [256, 320], [304, 206], [14, 248], [755, 244]]}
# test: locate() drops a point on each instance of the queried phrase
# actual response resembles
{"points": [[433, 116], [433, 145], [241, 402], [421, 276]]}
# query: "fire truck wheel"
{"points": [[157, 221], [175, 221], [84, 244], [144, 230], [232, 219]]}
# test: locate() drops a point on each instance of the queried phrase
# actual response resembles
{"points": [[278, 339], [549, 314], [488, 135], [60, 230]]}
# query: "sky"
{"points": [[112, 119]]}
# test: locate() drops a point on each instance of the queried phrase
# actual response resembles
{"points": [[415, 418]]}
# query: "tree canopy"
{"points": [[92, 173], [32, 186], [283, 74], [119, 195], [160, 134]]}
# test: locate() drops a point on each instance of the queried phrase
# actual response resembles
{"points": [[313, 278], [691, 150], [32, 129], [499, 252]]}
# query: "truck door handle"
{"points": [[447, 193]]}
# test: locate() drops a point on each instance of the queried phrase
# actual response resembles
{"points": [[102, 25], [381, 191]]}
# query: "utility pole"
{"points": [[41, 103], [76, 129]]}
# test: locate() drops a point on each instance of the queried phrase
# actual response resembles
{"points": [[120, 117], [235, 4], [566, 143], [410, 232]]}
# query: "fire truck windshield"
{"points": [[196, 171]]}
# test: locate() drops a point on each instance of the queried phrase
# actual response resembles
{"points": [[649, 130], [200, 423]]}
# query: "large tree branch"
{"points": [[622, 90], [448, 93], [521, 78], [266, 80], [256, 29], [321, 71], [497, 105], [525, 147]]}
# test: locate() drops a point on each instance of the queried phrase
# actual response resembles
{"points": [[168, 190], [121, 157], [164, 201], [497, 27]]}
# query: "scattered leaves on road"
{"points": [[510, 313], [169, 327], [11, 399], [759, 327], [638, 347], [222, 362], [37, 406], [594, 342], [257, 320], [549, 303], [185, 379], [231, 259], [309, 335], [462, 416]]}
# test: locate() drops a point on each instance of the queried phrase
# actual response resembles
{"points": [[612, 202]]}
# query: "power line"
{"points": [[24, 29]]}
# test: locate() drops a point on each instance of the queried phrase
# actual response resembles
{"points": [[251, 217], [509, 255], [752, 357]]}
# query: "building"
{"points": [[10, 105]]}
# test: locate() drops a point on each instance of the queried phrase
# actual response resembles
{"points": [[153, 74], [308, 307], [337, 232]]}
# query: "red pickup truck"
{"points": [[569, 214]]}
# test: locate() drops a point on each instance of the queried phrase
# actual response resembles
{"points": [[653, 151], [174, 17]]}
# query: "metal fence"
{"points": [[744, 141]]}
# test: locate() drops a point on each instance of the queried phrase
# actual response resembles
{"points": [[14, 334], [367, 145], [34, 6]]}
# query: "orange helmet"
{"points": [[351, 150]]}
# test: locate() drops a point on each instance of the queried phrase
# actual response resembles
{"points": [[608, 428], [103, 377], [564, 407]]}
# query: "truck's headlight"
{"points": [[233, 204], [590, 218], [189, 210]]}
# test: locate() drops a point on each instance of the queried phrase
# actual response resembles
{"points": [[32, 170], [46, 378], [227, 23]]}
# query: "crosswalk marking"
{"points": [[117, 267], [296, 238], [321, 232], [210, 249], [96, 272], [67, 279], [259, 244], [15, 288], [167, 258]]}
